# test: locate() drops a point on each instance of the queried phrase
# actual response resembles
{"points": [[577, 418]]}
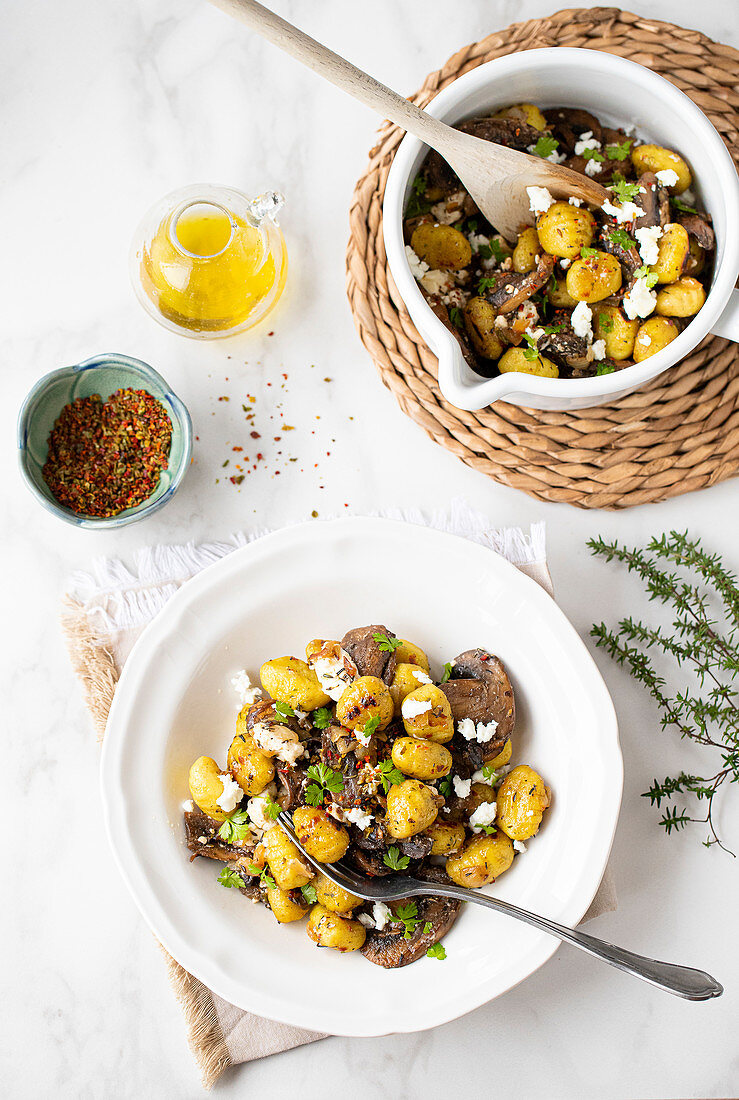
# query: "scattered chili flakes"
{"points": [[255, 435], [224, 398], [237, 448], [106, 456], [236, 479], [314, 514]]}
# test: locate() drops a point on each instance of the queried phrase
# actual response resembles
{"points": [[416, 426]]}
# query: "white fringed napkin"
{"points": [[104, 612]]}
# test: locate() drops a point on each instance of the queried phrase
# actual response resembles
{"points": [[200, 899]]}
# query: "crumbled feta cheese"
{"points": [[554, 156], [599, 349], [648, 247], [421, 676], [587, 141], [453, 297], [481, 732], [501, 322], [381, 914], [443, 214], [687, 195], [527, 313], [411, 708], [667, 177], [255, 808], [334, 673], [418, 266], [434, 282], [539, 199], [462, 787], [640, 300], [231, 794], [278, 740], [519, 846], [242, 685], [359, 817], [581, 318], [363, 736], [626, 212], [188, 806], [477, 240], [203, 839], [483, 815], [593, 167], [575, 202], [564, 263]]}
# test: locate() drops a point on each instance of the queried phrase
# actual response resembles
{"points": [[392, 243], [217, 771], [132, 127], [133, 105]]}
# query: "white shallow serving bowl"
{"points": [[174, 702], [619, 93]]}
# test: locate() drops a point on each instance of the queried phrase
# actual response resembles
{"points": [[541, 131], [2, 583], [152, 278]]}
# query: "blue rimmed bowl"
{"points": [[103, 374]]}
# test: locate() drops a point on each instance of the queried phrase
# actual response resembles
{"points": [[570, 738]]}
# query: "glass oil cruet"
{"points": [[207, 261]]}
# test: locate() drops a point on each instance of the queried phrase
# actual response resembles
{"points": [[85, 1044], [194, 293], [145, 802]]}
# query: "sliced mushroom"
{"points": [[565, 348], [654, 200], [390, 948], [505, 131], [291, 783], [441, 311], [511, 290], [368, 862], [698, 227], [202, 837], [629, 258], [479, 689], [364, 650], [568, 123], [416, 847]]}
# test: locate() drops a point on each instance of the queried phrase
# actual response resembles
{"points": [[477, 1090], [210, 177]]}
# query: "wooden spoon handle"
{"points": [[337, 69]]}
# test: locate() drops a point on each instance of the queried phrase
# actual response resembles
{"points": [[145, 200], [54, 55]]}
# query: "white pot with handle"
{"points": [[620, 93]]}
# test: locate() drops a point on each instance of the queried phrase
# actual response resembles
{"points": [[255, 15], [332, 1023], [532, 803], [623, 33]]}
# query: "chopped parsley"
{"points": [[545, 146], [621, 237], [489, 772], [604, 368], [309, 893], [644, 272], [472, 225], [445, 787], [551, 329], [235, 827], [323, 779], [427, 928], [447, 672], [408, 916], [494, 249], [394, 860], [263, 874], [387, 645], [322, 718], [592, 154], [417, 204], [620, 151], [486, 284], [531, 351], [370, 727], [389, 775], [229, 877], [283, 711], [625, 191], [455, 316], [436, 951], [271, 808], [588, 252], [682, 206]]}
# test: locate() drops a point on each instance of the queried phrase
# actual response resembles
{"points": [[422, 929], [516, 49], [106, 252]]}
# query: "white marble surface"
{"points": [[103, 108]]}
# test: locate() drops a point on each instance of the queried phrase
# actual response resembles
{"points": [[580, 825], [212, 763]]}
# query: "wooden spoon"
{"points": [[495, 176]]}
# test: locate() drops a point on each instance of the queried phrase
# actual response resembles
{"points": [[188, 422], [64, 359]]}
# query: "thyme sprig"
{"points": [[703, 596]]}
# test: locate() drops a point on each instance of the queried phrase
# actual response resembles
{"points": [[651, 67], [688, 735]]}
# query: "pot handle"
{"points": [[727, 324]]}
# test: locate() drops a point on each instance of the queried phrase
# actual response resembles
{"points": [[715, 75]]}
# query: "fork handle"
{"points": [[683, 981]]}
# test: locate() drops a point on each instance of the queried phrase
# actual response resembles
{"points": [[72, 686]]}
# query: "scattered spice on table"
{"points": [[106, 456]]}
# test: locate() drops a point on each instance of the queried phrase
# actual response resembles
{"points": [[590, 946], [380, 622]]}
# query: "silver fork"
{"points": [[683, 981]]}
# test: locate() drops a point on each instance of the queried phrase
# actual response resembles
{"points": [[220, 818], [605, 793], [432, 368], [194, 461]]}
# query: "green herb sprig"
{"points": [[625, 191], [322, 718], [231, 878], [394, 860], [702, 644], [283, 711], [436, 951], [387, 644], [389, 775], [545, 146], [235, 827], [323, 779], [263, 874], [407, 915]]}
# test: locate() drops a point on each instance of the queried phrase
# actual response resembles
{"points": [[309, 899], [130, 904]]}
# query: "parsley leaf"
{"points": [[263, 874], [235, 827], [489, 772], [394, 860], [592, 154], [387, 645], [271, 808], [604, 368], [619, 151], [445, 787], [229, 877], [324, 779], [389, 775], [309, 893], [322, 718], [645, 273], [626, 192], [283, 711], [486, 284], [447, 672], [436, 951], [551, 329], [370, 727], [417, 204], [408, 916], [455, 316], [545, 146], [427, 928], [472, 225], [588, 252], [622, 238], [531, 351]]}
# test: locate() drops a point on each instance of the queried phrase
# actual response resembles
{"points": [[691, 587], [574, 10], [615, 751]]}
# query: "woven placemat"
{"points": [[677, 434]]}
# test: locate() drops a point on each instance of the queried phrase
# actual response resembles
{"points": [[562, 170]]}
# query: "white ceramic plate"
{"points": [[174, 702]]}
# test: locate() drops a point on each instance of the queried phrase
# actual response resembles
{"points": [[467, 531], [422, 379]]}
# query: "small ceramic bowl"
{"points": [[103, 374]]}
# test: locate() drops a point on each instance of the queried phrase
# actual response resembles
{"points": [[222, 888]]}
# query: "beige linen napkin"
{"points": [[103, 613]]}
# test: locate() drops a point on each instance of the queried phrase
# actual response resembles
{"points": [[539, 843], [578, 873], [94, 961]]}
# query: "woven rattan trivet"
{"points": [[679, 433]]}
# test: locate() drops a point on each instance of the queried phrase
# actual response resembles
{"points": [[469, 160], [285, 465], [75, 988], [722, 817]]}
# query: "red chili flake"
{"points": [[276, 472], [260, 456], [284, 376], [276, 438], [270, 333], [224, 398], [327, 380], [237, 448], [106, 456], [314, 514], [255, 435], [236, 479]]}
